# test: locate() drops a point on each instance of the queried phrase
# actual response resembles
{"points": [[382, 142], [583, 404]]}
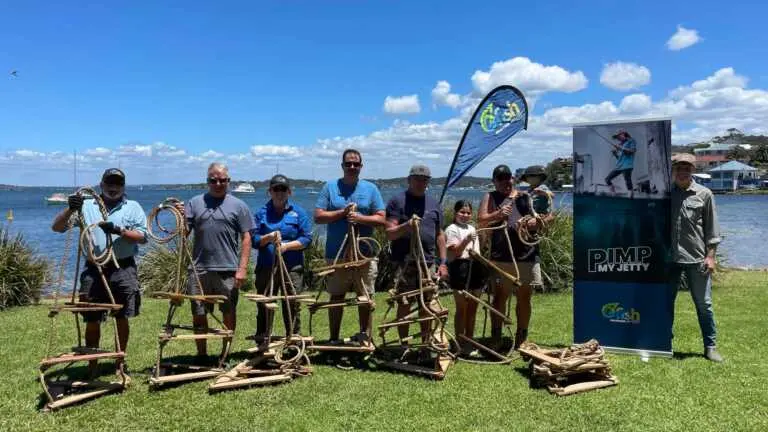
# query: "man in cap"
{"points": [[400, 209], [506, 205], [127, 225], [222, 224], [535, 176], [695, 236], [625, 159], [341, 202]]}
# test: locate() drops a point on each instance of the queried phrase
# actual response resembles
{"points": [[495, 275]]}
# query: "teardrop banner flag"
{"points": [[501, 114]]}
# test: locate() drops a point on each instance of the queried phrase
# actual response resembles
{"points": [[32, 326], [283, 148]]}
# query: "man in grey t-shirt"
{"points": [[222, 224]]}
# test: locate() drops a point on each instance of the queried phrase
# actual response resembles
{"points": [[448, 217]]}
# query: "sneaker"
{"points": [[711, 354], [360, 338]]}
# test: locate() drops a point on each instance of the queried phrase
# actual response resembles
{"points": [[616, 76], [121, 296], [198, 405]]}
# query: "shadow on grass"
{"points": [[77, 373], [686, 355]]}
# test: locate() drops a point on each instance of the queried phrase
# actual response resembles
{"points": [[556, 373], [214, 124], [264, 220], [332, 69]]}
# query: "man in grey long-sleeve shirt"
{"points": [[695, 236]]}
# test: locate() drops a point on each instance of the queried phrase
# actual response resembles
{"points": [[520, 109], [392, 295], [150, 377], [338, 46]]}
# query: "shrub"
{"points": [[23, 272]]}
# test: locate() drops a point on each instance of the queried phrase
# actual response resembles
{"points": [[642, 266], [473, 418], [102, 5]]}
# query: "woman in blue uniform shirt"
{"points": [[280, 214]]}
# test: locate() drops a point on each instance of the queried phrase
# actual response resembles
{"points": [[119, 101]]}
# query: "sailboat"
{"points": [[60, 198]]}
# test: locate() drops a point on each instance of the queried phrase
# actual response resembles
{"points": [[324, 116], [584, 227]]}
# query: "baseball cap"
{"points": [[279, 179], [683, 158], [420, 170], [502, 171], [113, 172]]}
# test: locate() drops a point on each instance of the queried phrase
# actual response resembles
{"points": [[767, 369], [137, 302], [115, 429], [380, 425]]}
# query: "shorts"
{"points": [[123, 283], [342, 280], [459, 272], [530, 273], [407, 277], [262, 275], [214, 283]]}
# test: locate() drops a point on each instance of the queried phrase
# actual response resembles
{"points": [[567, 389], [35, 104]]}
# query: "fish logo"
{"points": [[495, 119]]}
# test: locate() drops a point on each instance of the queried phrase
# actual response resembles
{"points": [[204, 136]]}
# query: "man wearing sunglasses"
{"points": [[341, 202], [127, 224], [222, 247]]}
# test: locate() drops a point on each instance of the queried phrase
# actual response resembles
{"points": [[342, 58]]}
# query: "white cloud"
{"points": [[528, 76], [402, 104], [624, 76], [211, 154], [442, 96], [275, 152], [723, 78], [683, 38], [27, 154], [635, 103], [98, 152]]}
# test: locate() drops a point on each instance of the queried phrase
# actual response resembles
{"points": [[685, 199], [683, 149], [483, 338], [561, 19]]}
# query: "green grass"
{"points": [[687, 393]]}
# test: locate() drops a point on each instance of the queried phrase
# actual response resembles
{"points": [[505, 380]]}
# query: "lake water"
{"points": [[742, 218]]}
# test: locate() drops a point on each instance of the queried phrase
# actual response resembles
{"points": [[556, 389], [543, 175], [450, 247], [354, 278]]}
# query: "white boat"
{"points": [[244, 188], [57, 198]]}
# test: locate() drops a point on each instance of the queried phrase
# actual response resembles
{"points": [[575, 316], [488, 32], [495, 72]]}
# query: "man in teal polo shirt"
{"points": [[127, 224], [341, 202]]}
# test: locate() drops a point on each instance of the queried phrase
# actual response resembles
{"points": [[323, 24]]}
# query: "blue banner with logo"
{"points": [[621, 238], [501, 114]]}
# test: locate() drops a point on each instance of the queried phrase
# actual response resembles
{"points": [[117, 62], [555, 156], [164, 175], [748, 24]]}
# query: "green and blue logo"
{"points": [[616, 312]]}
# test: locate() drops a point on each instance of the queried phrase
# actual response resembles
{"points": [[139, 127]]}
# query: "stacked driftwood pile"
{"points": [[570, 370]]}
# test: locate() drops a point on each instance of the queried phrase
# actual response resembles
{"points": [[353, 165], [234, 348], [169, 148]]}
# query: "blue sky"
{"points": [[164, 90]]}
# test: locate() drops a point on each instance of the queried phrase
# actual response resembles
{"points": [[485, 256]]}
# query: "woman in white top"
{"points": [[460, 238]]}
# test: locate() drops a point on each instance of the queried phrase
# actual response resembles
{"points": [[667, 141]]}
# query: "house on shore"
{"points": [[732, 175]]}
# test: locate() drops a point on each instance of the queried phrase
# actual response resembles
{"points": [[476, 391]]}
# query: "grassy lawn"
{"points": [[685, 393]]}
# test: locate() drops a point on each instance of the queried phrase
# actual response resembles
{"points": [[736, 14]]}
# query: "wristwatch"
{"points": [[443, 261]]}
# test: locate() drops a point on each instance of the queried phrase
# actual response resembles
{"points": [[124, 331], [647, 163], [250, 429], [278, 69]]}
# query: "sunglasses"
{"points": [[112, 183], [214, 181], [503, 178], [280, 189], [352, 164]]}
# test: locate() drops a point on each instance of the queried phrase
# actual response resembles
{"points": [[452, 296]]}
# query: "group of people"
{"points": [[225, 230]]}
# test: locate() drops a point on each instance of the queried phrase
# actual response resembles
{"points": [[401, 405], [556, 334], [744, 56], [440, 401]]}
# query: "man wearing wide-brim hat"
{"points": [[695, 236], [625, 159], [535, 176]]}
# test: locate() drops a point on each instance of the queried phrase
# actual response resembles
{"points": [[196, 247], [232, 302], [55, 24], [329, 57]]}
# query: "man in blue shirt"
{"points": [[625, 159], [282, 215], [127, 224], [341, 202]]}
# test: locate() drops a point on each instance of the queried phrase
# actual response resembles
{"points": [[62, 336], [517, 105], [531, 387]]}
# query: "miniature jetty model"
{"points": [[570, 370], [276, 358], [168, 372], [432, 356]]}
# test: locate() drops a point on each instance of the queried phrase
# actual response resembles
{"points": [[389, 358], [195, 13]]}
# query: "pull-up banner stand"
{"points": [[621, 236]]}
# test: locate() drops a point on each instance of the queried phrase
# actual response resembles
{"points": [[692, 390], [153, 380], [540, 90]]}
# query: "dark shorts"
{"points": [[407, 277], [214, 283], [263, 274], [123, 283], [459, 272]]}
